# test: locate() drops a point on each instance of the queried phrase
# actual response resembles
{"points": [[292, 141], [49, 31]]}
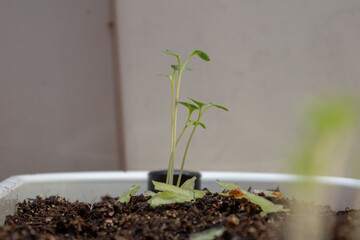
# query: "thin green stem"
{"points": [[182, 133], [173, 140], [172, 134], [185, 128], [170, 173], [187, 147]]}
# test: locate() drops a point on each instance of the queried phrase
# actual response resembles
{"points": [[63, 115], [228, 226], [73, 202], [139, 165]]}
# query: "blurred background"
{"points": [[79, 91]]}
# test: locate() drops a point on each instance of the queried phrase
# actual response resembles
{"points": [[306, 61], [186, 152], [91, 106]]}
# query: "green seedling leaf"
{"points": [[189, 184], [208, 234], [202, 55], [227, 185], [168, 76], [217, 106], [172, 194], [168, 197], [200, 104], [127, 195], [198, 193], [176, 67], [149, 193], [202, 125], [190, 106], [266, 205], [166, 187], [170, 53], [192, 122]]}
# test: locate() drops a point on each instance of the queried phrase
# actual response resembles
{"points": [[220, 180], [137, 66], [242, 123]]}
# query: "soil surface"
{"points": [[55, 218]]}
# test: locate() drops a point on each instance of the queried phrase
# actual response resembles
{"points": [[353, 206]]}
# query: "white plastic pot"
{"points": [[90, 186]]}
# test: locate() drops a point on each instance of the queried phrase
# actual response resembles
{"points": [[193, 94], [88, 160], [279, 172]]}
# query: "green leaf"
{"points": [[165, 187], [149, 193], [176, 67], [208, 234], [168, 76], [190, 106], [172, 194], [168, 197], [227, 185], [200, 104], [170, 53], [266, 205], [189, 184], [127, 195], [217, 106], [192, 122], [201, 54], [198, 193]]}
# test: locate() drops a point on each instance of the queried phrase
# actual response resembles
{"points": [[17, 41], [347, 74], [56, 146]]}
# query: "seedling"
{"points": [[171, 194], [168, 193], [202, 108], [175, 80]]}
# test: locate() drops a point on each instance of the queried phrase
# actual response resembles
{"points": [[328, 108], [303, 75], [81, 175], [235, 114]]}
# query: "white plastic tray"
{"points": [[90, 186]]}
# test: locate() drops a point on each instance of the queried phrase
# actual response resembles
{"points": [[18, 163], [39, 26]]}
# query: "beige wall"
{"points": [[268, 59], [57, 103], [60, 100]]}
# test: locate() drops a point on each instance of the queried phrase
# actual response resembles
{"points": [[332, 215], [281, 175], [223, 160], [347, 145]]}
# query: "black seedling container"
{"points": [[160, 176]]}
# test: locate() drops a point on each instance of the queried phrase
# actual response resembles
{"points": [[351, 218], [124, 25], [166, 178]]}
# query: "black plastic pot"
{"points": [[160, 176]]}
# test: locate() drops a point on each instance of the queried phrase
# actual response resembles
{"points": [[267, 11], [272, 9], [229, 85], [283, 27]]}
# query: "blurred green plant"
{"points": [[125, 197], [329, 130], [330, 127]]}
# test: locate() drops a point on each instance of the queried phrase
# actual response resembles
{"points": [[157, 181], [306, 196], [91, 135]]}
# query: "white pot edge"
{"points": [[90, 186], [13, 182]]}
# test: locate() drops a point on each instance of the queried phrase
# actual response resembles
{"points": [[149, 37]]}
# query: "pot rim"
{"points": [[90, 186], [11, 183]]}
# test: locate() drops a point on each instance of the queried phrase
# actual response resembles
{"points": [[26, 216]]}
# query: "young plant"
{"points": [[175, 80], [202, 108]]}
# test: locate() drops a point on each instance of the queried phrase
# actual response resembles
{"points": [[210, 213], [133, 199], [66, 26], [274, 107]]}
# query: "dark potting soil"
{"points": [[55, 218]]}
